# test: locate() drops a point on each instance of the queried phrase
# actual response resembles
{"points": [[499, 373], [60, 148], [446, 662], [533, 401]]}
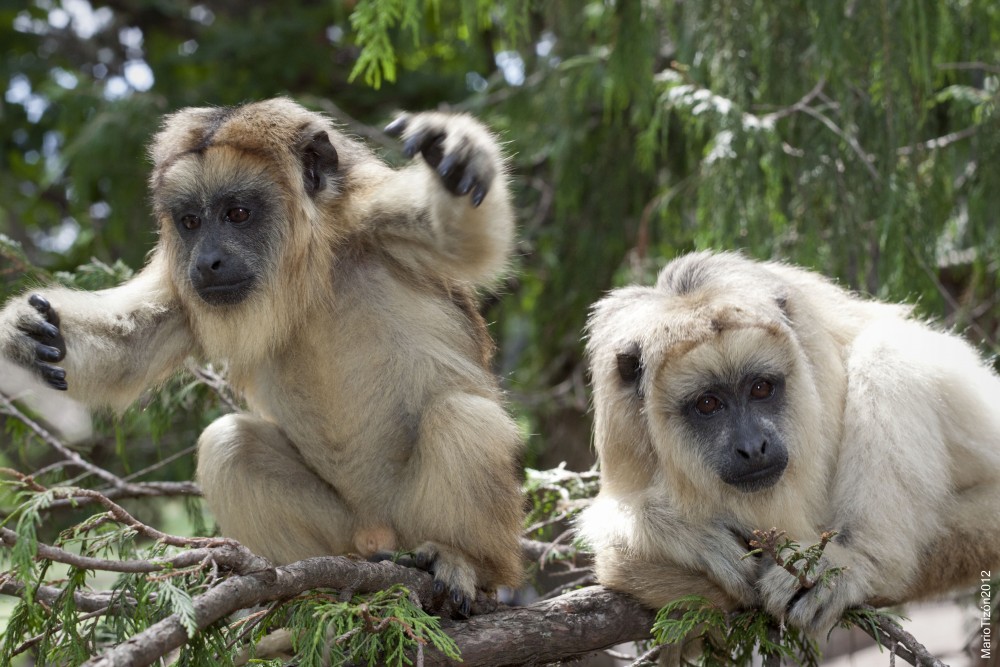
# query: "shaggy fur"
{"points": [[892, 429], [375, 423]]}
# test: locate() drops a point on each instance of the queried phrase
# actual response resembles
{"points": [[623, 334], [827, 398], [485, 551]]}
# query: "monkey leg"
{"points": [[461, 499], [262, 493]]}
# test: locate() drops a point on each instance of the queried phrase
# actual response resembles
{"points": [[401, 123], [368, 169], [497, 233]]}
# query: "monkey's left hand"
{"points": [[37, 341], [457, 147], [816, 609]]}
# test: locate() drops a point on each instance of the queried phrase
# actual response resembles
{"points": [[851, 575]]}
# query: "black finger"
{"points": [[433, 149], [55, 376], [48, 353], [438, 588], [448, 165], [465, 185], [479, 194], [397, 127], [424, 560], [423, 142], [456, 597], [40, 331], [40, 303], [465, 609]]}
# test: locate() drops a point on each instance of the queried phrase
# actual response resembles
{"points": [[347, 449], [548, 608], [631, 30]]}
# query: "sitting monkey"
{"points": [[341, 294]]}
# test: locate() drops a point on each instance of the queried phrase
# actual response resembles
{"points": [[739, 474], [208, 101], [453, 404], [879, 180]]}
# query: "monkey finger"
{"points": [[42, 305], [48, 353], [461, 602], [432, 148], [465, 185], [53, 375], [479, 194], [398, 126]]}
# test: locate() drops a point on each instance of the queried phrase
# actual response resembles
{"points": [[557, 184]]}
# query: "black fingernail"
{"points": [[396, 127], [58, 384], [479, 194], [438, 587], [411, 146], [49, 330], [466, 608], [40, 303], [447, 165], [456, 598], [465, 185]]}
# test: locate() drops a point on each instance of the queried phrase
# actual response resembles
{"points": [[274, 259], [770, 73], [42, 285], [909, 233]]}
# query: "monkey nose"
{"points": [[209, 264], [751, 450]]}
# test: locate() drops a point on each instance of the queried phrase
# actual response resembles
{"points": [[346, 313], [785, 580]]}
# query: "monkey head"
{"points": [[703, 380], [246, 199]]}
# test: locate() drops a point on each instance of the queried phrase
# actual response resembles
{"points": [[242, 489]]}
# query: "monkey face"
{"points": [[226, 227], [715, 403], [736, 428], [727, 395], [235, 192]]}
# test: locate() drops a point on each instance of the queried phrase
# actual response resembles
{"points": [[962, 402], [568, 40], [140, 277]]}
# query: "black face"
{"points": [[737, 429], [227, 239]]}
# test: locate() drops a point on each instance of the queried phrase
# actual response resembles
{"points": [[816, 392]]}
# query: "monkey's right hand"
{"points": [[724, 557], [36, 341]]}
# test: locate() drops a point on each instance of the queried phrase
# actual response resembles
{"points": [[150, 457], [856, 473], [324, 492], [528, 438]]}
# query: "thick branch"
{"points": [[572, 625], [240, 592]]}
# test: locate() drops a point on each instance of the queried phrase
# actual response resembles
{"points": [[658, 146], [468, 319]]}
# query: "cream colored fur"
{"points": [[894, 440], [375, 422]]}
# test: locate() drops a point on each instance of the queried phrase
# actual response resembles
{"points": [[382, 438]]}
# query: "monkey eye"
{"points": [[238, 214], [761, 389], [191, 221], [708, 404]]}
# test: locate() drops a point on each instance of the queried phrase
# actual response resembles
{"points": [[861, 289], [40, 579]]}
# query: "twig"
{"points": [[902, 642], [207, 376], [121, 515], [7, 407], [939, 142], [231, 554], [89, 602], [649, 657], [866, 158], [798, 106]]}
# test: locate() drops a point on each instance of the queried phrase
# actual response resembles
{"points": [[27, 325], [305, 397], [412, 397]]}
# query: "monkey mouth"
{"points": [[227, 294], [758, 480]]}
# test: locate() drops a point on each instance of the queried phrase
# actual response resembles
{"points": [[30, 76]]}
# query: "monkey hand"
{"points": [[458, 148], [30, 336], [724, 557], [818, 608]]}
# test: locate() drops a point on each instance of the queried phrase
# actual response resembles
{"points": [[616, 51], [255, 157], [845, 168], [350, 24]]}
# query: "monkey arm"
{"points": [[644, 529], [893, 480], [463, 224], [102, 347]]}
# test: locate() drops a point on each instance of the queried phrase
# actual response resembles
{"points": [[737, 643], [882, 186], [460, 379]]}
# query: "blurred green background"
{"points": [[860, 138]]}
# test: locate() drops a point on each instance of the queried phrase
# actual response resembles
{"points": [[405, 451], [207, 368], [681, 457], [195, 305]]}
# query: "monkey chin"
{"points": [[757, 480]]}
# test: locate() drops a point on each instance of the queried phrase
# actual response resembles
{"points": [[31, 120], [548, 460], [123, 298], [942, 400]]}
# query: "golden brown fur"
{"points": [[374, 422], [892, 431]]}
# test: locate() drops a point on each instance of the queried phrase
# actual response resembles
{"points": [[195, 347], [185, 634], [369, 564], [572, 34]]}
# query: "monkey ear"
{"points": [[319, 161], [630, 365]]}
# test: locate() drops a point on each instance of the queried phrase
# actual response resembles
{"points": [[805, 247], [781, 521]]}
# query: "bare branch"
{"points": [[7, 407]]}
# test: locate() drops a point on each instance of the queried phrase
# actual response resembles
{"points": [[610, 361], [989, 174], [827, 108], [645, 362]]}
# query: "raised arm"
{"points": [[102, 347], [462, 225]]}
